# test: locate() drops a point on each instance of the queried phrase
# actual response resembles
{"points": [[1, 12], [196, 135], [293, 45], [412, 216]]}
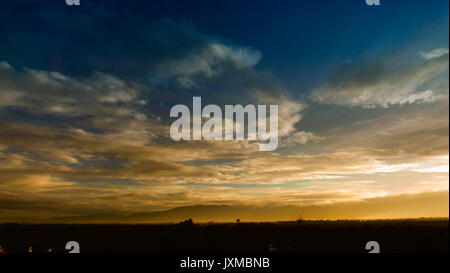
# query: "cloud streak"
{"points": [[376, 85]]}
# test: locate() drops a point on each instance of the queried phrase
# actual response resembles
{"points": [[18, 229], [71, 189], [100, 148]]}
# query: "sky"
{"points": [[86, 91]]}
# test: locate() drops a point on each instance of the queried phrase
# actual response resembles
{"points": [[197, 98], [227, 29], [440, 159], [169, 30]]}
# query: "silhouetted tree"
{"points": [[188, 222]]}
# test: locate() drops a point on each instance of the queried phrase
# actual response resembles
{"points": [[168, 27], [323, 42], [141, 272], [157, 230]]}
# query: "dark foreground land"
{"points": [[397, 236]]}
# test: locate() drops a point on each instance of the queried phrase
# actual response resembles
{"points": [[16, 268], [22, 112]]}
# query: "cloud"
{"points": [[303, 137], [211, 60], [126, 169], [419, 133], [289, 110], [377, 85], [208, 61], [45, 92], [426, 96], [5, 65], [10, 97], [438, 52]]}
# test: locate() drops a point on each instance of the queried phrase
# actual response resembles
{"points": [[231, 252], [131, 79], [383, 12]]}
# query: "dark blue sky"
{"points": [[301, 41]]}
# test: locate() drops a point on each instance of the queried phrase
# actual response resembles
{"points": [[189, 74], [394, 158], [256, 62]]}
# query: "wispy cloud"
{"points": [[377, 85], [438, 52]]}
